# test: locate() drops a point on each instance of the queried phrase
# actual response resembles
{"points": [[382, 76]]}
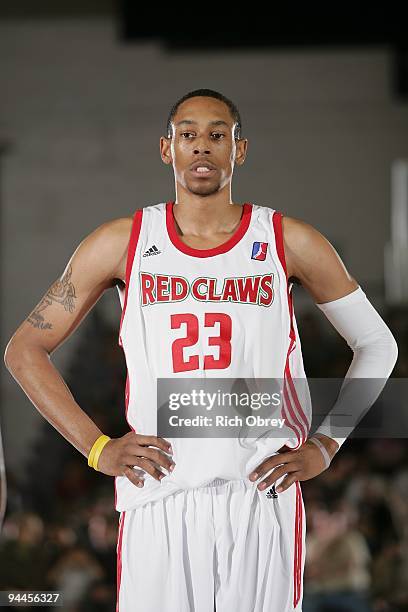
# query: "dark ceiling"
{"points": [[182, 28]]}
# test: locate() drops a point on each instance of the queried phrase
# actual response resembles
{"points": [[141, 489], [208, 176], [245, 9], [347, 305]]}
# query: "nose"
{"points": [[201, 144], [202, 149]]}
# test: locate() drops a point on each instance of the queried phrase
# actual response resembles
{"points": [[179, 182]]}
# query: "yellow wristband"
{"points": [[96, 451], [93, 449], [91, 454]]}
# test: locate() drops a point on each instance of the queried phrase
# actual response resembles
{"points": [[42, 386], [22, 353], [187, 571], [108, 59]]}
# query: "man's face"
{"points": [[203, 137]]}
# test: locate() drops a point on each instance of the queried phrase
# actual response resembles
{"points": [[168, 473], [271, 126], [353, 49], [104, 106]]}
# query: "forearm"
{"points": [[360, 389], [34, 371], [375, 353]]}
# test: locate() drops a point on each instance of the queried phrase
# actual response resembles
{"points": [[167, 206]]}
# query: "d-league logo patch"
{"points": [[259, 250]]}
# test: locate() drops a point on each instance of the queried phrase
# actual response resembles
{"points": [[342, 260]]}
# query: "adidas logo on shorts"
{"points": [[272, 494], [152, 251]]}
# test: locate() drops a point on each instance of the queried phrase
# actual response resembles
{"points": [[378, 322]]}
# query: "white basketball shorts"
{"points": [[220, 547]]}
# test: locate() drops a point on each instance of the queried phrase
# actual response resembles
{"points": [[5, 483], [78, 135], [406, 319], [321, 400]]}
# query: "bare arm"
{"points": [[91, 270], [96, 265]]}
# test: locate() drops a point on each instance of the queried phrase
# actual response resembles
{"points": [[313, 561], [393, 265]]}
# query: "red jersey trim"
{"points": [[133, 240], [127, 393], [298, 547], [222, 248], [287, 407], [119, 557], [277, 226], [299, 421]]}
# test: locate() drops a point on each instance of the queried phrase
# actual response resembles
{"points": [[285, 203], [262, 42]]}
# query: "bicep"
{"points": [[315, 263], [91, 270]]}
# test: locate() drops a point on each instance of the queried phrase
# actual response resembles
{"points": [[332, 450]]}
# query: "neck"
{"points": [[203, 217]]}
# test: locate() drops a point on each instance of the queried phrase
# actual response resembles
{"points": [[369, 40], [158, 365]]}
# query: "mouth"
{"points": [[203, 172], [202, 169]]}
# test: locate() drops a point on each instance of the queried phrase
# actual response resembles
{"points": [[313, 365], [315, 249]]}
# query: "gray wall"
{"points": [[84, 115]]}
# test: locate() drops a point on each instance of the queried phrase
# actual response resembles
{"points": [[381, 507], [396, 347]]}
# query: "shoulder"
{"points": [[115, 232], [108, 243], [295, 229], [300, 239], [303, 242], [115, 235], [313, 262]]}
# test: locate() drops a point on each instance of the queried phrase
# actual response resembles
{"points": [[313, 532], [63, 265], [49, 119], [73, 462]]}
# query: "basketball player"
{"points": [[205, 286]]}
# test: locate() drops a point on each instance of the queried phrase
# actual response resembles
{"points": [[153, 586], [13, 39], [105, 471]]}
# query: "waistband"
{"points": [[218, 481]]}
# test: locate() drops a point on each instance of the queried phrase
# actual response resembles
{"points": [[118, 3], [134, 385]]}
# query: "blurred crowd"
{"points": [[60, 530]]}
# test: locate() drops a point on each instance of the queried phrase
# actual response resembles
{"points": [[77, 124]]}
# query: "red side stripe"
{"points": [[295, 593], [301, 425], [288, 410], [127, 394], [297, 565], [133, 240], [297, 561], [299, 574], [119, 558], [298, 404], [127, 386], [299, 545], [305, 425], [127, 397], [277, 226], [302, 528], [298, 425]]}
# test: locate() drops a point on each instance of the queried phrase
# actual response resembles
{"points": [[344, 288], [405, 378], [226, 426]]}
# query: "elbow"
{"points": [[381, 350], [388, 347], [393, 349], [10, 354], [20, 352], [14, 354]]}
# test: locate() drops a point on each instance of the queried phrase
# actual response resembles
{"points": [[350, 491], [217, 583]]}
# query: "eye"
{"points": [[218, 135]]}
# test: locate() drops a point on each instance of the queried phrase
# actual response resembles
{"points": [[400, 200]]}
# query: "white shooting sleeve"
{"points": [[375, 353]]}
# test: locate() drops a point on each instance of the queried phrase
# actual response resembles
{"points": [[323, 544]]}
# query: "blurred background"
{"points": [[86, 88]]}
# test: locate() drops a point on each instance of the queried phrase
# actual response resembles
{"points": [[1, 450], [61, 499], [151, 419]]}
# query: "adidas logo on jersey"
{"points": [[152, 251]]}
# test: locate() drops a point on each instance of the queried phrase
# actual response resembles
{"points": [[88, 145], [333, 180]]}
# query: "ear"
{"points": [[165, 150], [241, 151]]}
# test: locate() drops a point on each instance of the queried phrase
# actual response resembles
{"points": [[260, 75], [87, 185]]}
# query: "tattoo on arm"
{"points": [[63, 292]]}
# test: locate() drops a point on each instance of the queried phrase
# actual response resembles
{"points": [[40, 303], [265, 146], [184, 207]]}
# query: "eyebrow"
{"points": [[216, 122]]}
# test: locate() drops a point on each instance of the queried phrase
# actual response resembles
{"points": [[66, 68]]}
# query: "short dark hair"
{"points": [[211, 94]]}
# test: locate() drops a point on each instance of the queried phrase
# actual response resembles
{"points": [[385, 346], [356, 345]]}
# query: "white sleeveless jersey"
{"points": [[223, 312]]}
